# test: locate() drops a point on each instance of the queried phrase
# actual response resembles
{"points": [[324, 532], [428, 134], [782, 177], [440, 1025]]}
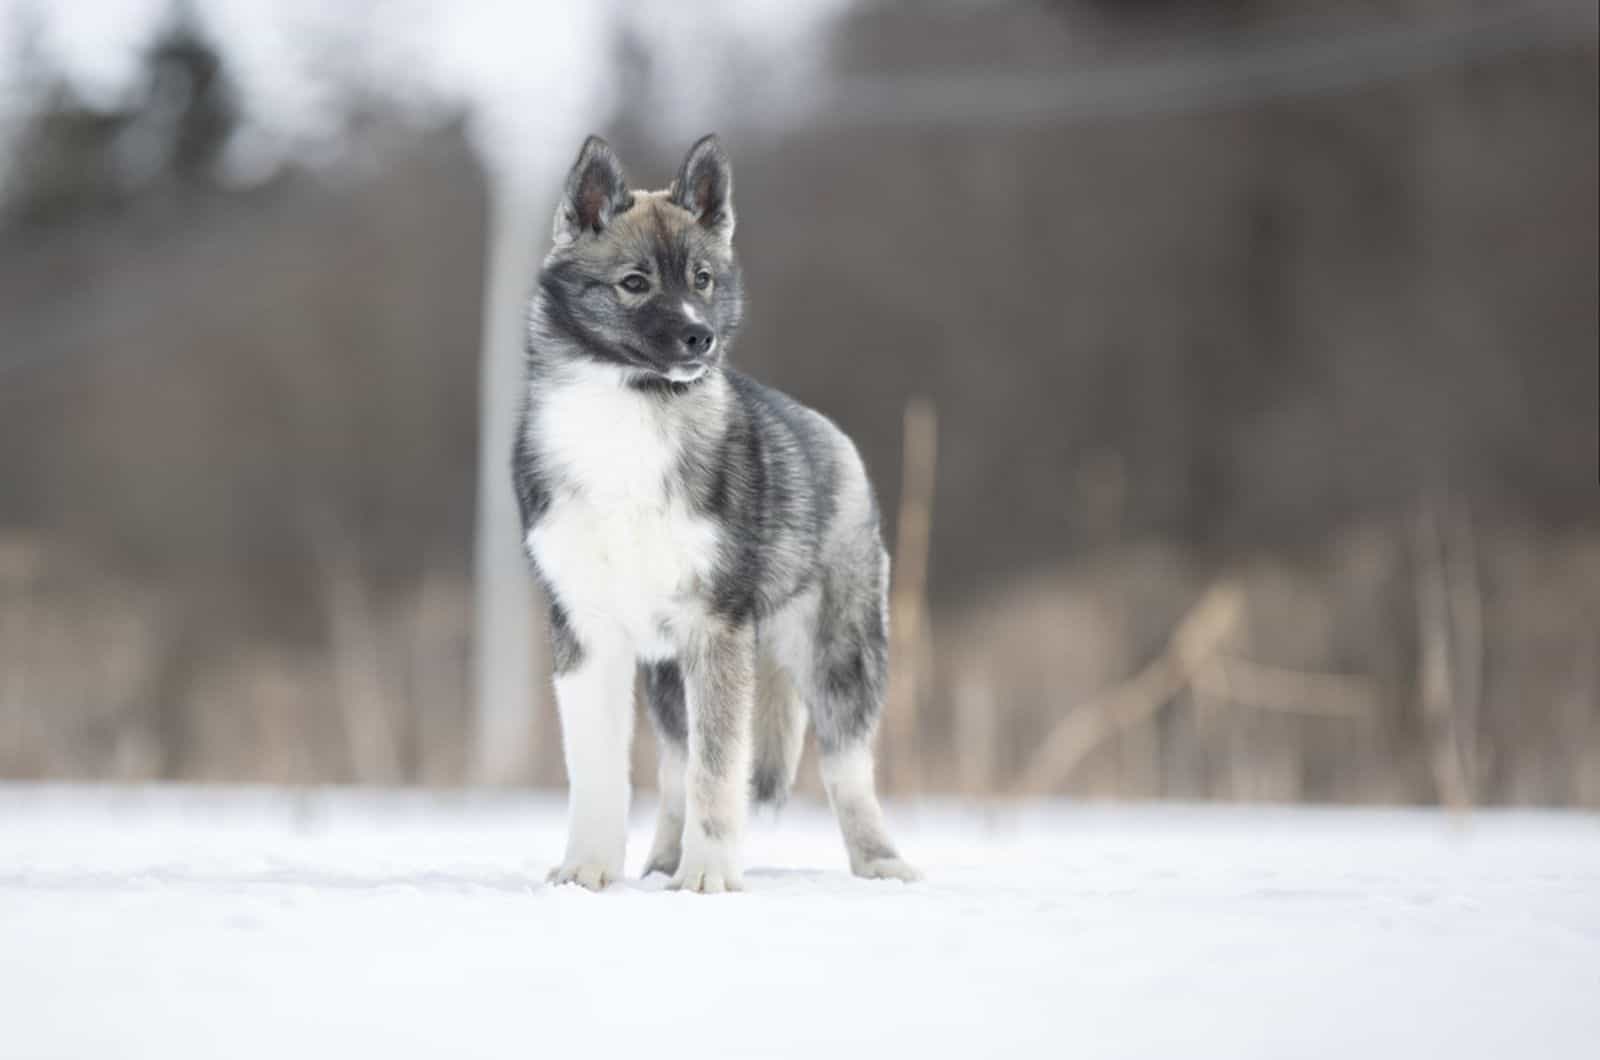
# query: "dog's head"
{"points": [[646, 280]]}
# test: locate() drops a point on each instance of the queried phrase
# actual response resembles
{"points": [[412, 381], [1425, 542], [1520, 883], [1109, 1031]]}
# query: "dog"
{"points": [[694, 526]]}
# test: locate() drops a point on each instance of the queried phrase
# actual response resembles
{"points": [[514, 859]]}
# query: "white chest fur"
{"points": [[620, 547]]}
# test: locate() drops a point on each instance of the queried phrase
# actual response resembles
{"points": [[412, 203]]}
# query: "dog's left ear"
{"points": [[705, 187]]}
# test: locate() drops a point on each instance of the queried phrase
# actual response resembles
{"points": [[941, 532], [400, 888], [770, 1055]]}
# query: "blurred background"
{"points": [[1227, 369]]}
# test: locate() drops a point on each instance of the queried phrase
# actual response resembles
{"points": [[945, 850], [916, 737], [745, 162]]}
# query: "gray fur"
{"points": [[779, 730], [719, 672], [791, 607], [566, 652], [663, 694]]}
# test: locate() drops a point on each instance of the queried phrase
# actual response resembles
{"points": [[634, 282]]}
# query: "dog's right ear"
{"points": [[595, 193]]}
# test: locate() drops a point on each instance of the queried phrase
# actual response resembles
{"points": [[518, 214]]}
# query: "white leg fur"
{"points": [[710, 863], [595, 701], [667, 850], [847, 776]]}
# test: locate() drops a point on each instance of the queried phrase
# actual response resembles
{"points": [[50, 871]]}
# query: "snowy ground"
{"points": [[184, 923]]}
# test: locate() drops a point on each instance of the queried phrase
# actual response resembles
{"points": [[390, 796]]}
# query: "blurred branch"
{"points": [[908, 619], [19, 559], [1141, 696], [975, 735], [356, 655], [1227, 680], [1439, 676], [1466, 613]]}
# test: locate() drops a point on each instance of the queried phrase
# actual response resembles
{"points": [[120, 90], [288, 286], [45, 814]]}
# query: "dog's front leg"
{"points": [[594, 696], [719, 678]]}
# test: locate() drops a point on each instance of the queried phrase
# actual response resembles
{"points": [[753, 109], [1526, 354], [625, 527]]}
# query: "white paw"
{"points": [[887, 869], [588, 874], [710, 870], [706, 881]]}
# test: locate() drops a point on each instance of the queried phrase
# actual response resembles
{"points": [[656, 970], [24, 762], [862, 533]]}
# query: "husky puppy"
{"points": [[693, 525]]}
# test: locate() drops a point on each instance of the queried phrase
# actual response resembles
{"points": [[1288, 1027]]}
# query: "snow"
{"points": [[179, 922]]}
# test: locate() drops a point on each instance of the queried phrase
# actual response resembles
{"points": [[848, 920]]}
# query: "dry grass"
{"points": [[1285, 681]]}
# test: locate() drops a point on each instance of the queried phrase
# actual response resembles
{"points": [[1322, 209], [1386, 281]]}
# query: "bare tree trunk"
{"points": [[1439, 675], [502, 663], [908, 616]]}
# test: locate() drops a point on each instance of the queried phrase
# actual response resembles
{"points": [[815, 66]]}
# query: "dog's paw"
{"points": [[709, 871], [587, 874], [706, 882], [887, 869]]}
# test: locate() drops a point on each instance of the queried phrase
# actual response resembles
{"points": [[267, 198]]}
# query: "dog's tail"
{"points": [[779, 737]]}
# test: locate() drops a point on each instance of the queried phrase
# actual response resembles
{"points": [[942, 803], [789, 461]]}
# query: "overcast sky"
{"points": [[536, 74]]}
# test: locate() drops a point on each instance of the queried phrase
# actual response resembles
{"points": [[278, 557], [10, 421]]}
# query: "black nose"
{"points": [[698, 339]]}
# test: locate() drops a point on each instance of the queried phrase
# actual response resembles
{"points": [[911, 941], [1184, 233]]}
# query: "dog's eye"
{"points": [[702, 280], [634, 283]]}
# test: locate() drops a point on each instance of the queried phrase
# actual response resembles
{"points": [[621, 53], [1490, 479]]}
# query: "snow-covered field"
{"points": [[212, 923]]}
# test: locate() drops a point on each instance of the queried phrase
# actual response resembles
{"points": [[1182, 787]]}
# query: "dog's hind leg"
{"points": [[849, 679], [847, 776], [663, 691]]}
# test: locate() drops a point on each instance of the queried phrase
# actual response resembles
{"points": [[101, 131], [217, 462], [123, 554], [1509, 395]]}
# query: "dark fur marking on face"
{"points": [[672, 254], [566, 288]]}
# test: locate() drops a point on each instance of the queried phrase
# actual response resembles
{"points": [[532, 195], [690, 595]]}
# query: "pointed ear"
{"points": [[705, 186], [595, 193]]}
